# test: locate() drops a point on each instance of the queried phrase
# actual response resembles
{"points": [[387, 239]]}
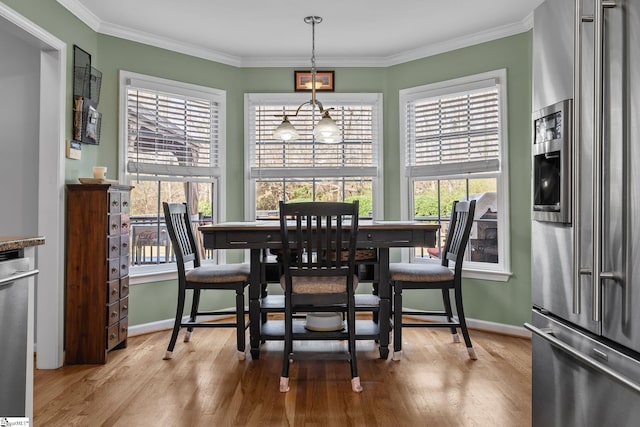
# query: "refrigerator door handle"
{"points": [[575, 156], [598, 55], [547, 335]]}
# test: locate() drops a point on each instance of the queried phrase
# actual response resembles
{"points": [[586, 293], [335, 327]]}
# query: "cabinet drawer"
{"points": [[114, 269], [124, 266], [114, 225], [113, 289], [124, 307], [124, 244], [114, 201], [113, 337], [124, 202], [124, 223], [113, 247], [113, 313], [123, 329], [124, 286]]}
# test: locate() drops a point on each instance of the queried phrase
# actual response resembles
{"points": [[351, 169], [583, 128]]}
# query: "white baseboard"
{"points": [[499, 328], [482, 325], [163, 325]]}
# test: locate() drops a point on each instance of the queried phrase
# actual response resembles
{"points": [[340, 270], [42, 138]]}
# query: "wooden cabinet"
{"points": [[97, 285]]}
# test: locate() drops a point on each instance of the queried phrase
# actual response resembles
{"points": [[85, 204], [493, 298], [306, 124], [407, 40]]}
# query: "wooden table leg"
{"points": [[385, 302], [255, 287]]}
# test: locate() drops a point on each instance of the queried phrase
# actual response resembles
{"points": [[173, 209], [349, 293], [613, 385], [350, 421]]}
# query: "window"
{"points": [[454, 148], [305, 169], [172, 141]]}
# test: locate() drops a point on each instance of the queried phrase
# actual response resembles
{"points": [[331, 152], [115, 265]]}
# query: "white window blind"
{"points": [[454, 134], [355, 154], [171, 135]]}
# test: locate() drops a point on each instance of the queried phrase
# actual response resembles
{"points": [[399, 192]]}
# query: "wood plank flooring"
{"points": [[435, 384]]}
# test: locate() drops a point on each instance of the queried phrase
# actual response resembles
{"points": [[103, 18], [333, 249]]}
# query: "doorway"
{"points": [[46, 160]]}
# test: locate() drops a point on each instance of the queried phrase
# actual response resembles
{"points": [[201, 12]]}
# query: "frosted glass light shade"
{"points": [[286, 131], [326, 130]]}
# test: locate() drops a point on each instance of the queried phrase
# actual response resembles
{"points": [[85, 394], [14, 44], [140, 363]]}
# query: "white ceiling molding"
{"points": [[169, 44], [82, 13], [102, 27], [462, 42]]}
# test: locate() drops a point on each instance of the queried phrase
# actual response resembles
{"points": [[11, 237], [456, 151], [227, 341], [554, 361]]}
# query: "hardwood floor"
{"points": [[435, 384]]}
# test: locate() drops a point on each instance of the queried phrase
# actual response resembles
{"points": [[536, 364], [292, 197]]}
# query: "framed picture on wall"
{"points": [[324, 81]]}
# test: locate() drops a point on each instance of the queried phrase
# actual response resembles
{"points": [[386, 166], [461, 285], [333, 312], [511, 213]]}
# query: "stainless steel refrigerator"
{"points": [[586, 213]]}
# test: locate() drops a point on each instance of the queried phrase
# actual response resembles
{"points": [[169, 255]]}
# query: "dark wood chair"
{"points": [[321, 276], [436, 276], [231, 277]]}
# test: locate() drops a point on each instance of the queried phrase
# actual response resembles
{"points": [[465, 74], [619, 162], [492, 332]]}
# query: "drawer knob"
{"points": [[114, 291], [369, 236], [112, 337], [114, 270], [268, 237], [114, 314]]}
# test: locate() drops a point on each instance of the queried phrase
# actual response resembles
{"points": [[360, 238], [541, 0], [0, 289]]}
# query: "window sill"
{"points": [[152, 275], [493, 275]]}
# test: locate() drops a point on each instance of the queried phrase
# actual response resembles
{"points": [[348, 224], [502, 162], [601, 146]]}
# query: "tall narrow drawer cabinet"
{"points": [[97, 285]]}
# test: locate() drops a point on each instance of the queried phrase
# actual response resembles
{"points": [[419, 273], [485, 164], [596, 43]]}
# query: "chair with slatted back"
{"points": [[436, 276], [321, 277], [230, 277]]}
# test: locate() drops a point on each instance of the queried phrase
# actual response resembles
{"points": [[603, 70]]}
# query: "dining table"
{"points": [[262, 236]]}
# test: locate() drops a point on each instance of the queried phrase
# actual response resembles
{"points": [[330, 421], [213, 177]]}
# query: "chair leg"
{"points": [[176, 324], [195, 303], [288, 347], [463, 323], [240, 329], [397, 321], [446, 301], [353, 359]]}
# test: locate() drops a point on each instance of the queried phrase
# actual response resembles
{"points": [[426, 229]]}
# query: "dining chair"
{"points": [[436, 276], [230, 277], [321, 277]]}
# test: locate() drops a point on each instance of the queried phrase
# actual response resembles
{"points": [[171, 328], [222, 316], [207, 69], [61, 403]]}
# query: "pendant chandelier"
{"points": [[326, 130]]}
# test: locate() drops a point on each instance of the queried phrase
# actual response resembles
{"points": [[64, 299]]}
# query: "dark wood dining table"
{"points": [[259, 236]]}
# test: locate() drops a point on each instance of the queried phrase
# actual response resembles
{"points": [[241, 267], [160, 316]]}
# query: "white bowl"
{"points": [[324, 322]]}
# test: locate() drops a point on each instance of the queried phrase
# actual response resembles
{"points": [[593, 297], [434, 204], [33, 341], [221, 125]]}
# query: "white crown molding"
{"points": [[82, 13], [472, 39], [110, 29], [169, 44]]}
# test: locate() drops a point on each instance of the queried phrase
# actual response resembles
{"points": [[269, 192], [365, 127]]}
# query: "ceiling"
{"points": [[273, 33]]}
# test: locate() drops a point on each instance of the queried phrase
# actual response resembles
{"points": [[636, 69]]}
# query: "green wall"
{"points": [[504, 302]]}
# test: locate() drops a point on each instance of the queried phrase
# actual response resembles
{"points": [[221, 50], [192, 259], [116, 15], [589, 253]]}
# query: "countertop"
{"points": [[9, 243]]}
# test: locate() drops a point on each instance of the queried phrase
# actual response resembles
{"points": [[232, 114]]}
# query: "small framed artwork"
{"points": [[324, 81]]}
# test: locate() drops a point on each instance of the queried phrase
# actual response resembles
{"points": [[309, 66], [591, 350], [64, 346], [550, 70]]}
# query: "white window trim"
{"points": [[145, 274], [298, 98], [502, 270]]}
